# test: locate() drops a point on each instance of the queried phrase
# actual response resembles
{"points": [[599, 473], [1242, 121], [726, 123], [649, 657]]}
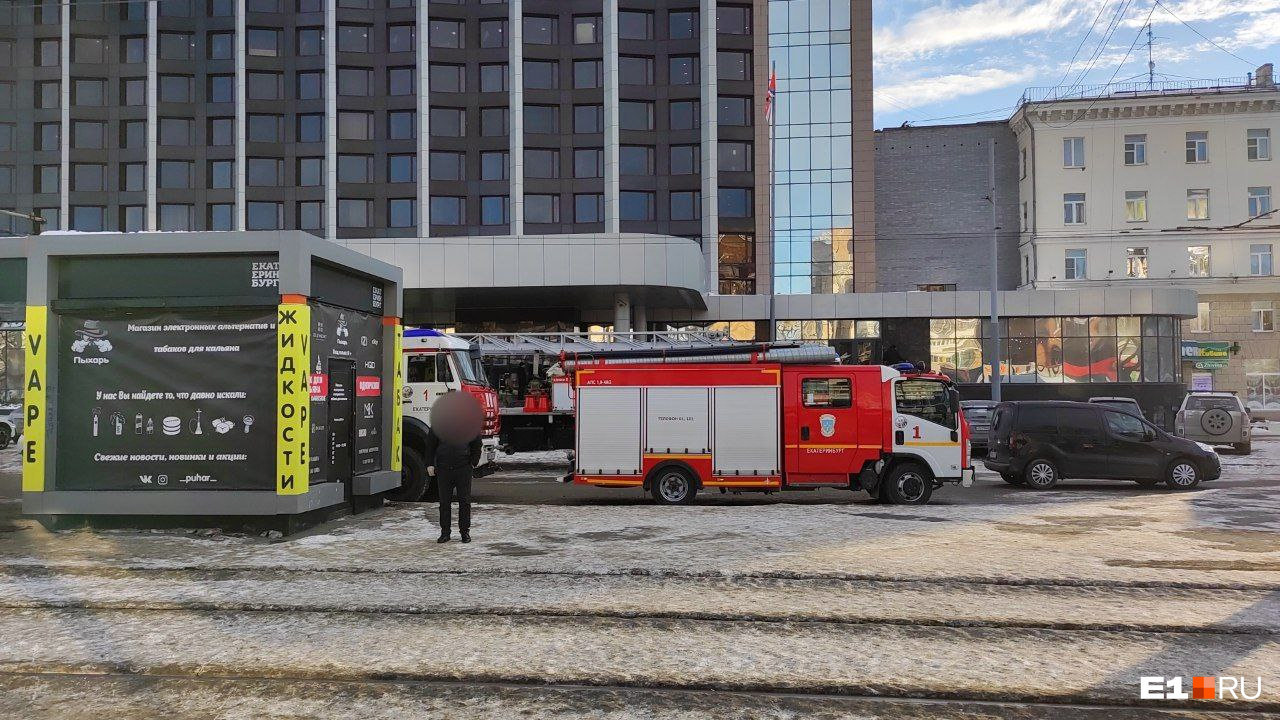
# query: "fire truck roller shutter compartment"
{"points": [[609, 430], [676, 420], [745, 440]]}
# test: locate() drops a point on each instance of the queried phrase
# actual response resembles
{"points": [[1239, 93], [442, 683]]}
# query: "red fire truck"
{"points": [[673, 429]]}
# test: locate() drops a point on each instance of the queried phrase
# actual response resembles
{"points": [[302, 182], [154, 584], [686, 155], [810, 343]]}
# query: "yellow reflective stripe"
{"points": [[293, 398], [932, 444], [34, 403], [829, 447], [397, 413]]}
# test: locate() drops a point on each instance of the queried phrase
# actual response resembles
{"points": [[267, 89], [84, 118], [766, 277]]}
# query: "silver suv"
{"points": [[10, 425], [1215, 418]]}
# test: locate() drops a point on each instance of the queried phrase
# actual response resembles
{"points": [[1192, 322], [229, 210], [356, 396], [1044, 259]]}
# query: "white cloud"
{"points": [[1262, 32], [925, 91], [1203, 10], [948, 26]]}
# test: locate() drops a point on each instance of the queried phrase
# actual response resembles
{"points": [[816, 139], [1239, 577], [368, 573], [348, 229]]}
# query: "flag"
{"points": [[770, 95]]}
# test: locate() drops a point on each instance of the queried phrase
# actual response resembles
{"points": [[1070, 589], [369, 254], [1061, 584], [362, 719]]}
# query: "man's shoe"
{"points": [[466, 537], [443, 538]]}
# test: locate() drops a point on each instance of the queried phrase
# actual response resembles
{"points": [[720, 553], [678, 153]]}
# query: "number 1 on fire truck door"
{"points": [[826, 428], [924, 421]]}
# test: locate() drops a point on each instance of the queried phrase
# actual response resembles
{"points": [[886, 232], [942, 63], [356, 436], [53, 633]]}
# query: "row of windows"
{"points": [[1262, 315], [1135, 205], [1257, 147], [586, 29], [589, 162], [635, 70], [1198, 262]]}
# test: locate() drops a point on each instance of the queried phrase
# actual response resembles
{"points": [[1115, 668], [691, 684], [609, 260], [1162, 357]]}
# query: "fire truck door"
{"points": [[822, 444], [926, 424]]}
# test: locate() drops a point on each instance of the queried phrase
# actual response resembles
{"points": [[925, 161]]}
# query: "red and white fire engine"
{"points": [[675, 428]]}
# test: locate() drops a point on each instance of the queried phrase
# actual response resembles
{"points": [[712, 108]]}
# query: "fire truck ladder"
{"points": [[610, 348]]}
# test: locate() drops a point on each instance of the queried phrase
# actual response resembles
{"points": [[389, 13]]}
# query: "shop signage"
{"points": [[1206, 355], [1201, 382]]}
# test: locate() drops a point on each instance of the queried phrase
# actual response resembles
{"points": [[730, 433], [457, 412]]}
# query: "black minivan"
{"points": [[1038, 443]]}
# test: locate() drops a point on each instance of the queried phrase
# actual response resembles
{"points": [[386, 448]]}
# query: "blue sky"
{"points": [[966, 60]]}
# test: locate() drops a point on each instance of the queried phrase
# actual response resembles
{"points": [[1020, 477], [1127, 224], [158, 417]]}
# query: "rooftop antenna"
{"points": [[1151, 62]]}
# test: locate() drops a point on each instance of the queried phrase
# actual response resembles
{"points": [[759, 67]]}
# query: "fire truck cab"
{"points": [[435, 363], [673, 429]]}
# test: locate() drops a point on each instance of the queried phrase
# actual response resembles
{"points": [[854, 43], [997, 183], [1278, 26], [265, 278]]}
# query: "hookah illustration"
{"points": [[137, 424], [151, 427], [97, 414], [196, 428], [248, 422], [117, 423]]}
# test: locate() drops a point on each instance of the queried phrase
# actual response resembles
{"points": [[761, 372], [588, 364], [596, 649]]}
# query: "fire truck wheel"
{"points": [[413, 478], [908, 484], [673, 486]]}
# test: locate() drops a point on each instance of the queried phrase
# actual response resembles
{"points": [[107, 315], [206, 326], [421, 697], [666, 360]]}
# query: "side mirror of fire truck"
{"points": [[953, 401]]}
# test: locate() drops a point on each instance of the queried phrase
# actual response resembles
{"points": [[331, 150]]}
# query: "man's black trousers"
{"points": [[454, 484]]}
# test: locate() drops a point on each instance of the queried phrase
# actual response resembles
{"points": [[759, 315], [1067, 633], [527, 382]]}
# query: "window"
{"points": [[682, 24], [1258, 144], [400, 125], [355, 82], [686, 205], [49, 136], [311, 215], [541, 163], [735, 111], [133, 133], [635, 160], [310, 41], [222, 88], [1197, 147], [588, 118], [635, 115], [444, 33], [221, 46], [539, 30], [493, 33], [586, 30], [447, 78], [133, 177], [1122, 424], [635, 70], [1023, 223], [1201, 322], [635, 25], [734, 156], [1023, 174], [588, 163], [1135, 206], [1135, 265], [541, 75], [1073, 208], [133, 91], [175, 217], [926, 399], [48, 53], [826, 392], [447, 210], [352, 38], [88, 50], [588, 73], [1264, 316], [227, 8], [176, 88], [310, 6], [400, 81], [1135, 149], [733, 20], [447, 165], [310, 171], [448, 122], [588, 208], [90, 93], [494, 165], [264, 42], [221, 174], [1260, 260], [685, 115], [48, 179], [132, 50], [355, 168], [6, 178], [265, 6], [266, 86], [541, 119], [133, 218], [6, 136], [310, 128], [494, 78], [733, 65], [264, 215], [542, 208], [265, 172], [683, 70], [685, 159], [1198, 261], [493, 122], [176, 131], [88, 177], [637, 206], [735, 202], [1259, 201], [401, 168], [354, 125], [49, 94], [86, 134], [1073, 152], [1198, 204], [353, 213], [494, 210], [400, 212], [1077, 265], [400, 38], [266, 128]]}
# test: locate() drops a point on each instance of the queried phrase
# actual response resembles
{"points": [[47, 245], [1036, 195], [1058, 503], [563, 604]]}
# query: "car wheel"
{"points": [[1216, 422], [1182, 475], [1040, 474], [908, 484], [413, 477], [1012, 478], [4, 437], [673, 486]]}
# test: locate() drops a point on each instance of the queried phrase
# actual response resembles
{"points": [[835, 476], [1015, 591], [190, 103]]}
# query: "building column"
{"points": [[153, 94], [640, 317], [515, 114], [64, 171], [331, 117], [424, 124], [242, 82], [621, 312], [710, 138], [609, 31]]}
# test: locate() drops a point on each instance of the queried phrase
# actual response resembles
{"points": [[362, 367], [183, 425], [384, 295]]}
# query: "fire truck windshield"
{"points": [[926, 399], [466, 368]]}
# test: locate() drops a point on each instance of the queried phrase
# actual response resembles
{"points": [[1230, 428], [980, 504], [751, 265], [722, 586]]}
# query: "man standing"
{"points": [[452, 449]]}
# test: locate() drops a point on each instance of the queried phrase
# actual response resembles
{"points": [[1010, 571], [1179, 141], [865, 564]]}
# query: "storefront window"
{"points": [[1262, 384]]}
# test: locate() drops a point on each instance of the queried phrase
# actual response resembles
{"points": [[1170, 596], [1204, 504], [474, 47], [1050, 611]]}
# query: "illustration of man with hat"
{"points": [[92, 332]]}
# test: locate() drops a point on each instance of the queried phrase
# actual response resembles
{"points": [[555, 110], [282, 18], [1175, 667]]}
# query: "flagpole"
{"points": [[770, 91]]}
